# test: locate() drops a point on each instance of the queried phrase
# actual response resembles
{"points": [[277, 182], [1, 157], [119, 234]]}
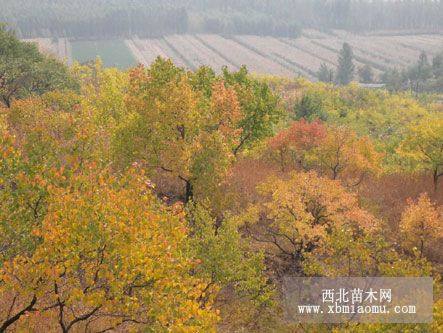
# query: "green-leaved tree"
{"points": [[345, 71], [25, 71]]}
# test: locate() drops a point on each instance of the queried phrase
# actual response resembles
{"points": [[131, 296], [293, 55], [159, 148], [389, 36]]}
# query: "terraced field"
{"points": [[262, 55]]}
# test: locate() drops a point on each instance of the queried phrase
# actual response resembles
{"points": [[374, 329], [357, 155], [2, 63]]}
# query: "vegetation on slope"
{"points": [[160, 199]]}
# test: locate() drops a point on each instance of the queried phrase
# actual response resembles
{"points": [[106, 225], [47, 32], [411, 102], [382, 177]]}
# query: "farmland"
{"points": [[262, 55], [114, 53]]}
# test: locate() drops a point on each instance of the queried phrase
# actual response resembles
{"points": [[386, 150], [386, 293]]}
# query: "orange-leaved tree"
{"points": [[290, 146]]}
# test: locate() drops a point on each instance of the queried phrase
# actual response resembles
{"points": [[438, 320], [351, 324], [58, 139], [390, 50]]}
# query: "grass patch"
{"points": [[113, 53]]}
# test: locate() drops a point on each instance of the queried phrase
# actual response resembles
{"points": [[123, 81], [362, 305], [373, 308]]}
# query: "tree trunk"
{"points": [[436, 176], [17, 316], [189, 191]]}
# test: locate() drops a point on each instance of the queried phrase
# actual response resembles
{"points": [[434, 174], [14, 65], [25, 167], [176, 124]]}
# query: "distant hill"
{"points": [[86, 19]]}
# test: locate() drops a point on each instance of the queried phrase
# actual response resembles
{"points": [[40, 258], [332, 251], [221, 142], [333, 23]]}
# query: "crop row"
{"points": [[269, 55]]}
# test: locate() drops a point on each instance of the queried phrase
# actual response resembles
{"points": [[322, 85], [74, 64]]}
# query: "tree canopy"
{"points": [[24, 71]]}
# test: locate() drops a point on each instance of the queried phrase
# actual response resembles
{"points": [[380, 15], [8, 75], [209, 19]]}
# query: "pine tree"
{"points": [[345, 71]]}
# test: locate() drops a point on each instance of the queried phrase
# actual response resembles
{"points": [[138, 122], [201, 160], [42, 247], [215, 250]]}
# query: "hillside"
{"points": [[165, 200]]}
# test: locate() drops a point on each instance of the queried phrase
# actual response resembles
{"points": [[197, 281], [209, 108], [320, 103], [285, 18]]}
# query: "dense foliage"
{"points": [[24, 71], [99, 18], [165, 200], [425, 75]]}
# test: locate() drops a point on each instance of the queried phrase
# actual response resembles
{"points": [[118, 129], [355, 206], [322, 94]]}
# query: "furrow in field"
{"points": [[256, 44], [303, 60], [208, 56], [241, 55], [217, 51], [187, 51], [175, 54], [414, 43], [361, 58], [394, 50], [305, 45], [429, 39], [436, 40], [150, 49], [377, 53], [297, 68], [159, 47], [136, 52]]}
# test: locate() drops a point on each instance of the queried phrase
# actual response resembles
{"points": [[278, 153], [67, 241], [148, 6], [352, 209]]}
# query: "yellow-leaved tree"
{"points": [[109, 256], [172, 129], [299, 214], [421, 225], [192, 125], [422, 146], [342, 154]]}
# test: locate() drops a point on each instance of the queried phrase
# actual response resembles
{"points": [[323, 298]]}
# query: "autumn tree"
{"points": [[335, 151], [342, 154], [290, 146], [110, 256], [375, 113], [420, 225], [22, 195], [52, 175], [259, 107], [191, 126], [23, 206], [56, 130], [172, 131], [103, 91], [422, 146], [299, 213], [348, 253]]}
